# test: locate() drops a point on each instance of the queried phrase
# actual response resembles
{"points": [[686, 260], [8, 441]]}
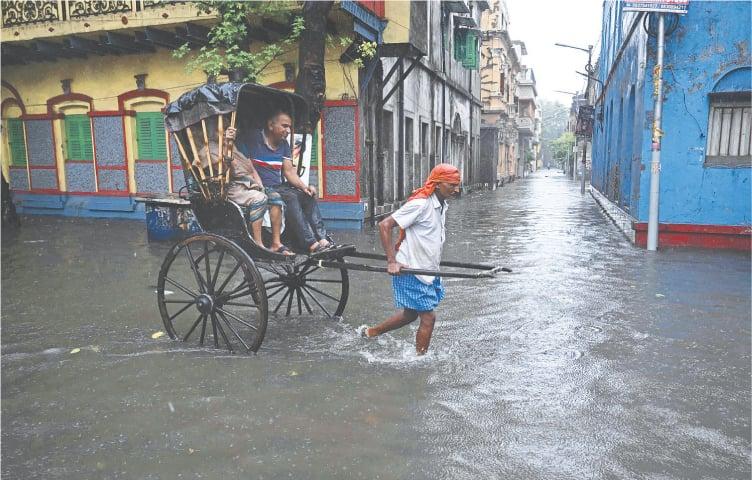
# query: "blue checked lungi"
{"points": [[409, 292]]}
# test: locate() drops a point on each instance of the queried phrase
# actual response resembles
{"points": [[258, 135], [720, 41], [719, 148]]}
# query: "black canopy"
{"points": [[254, 103]]}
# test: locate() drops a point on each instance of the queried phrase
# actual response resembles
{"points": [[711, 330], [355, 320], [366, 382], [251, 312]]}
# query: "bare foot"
{"points": [[365, 331], [281, 249]]}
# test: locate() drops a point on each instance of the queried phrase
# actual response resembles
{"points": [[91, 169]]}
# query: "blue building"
{"points": [[705, 184]]}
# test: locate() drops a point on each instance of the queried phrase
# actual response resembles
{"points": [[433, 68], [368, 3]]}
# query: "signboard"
{"points": [[664, 6], [584, 126]]}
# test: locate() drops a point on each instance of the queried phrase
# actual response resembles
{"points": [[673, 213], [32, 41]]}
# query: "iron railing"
{"points": [[26, 12]]}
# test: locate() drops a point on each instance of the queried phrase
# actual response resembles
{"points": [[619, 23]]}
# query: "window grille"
{"points": [[729, 130]]}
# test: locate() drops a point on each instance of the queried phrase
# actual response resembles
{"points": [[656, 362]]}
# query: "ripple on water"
{"points": [[588, 328], [568, 354]]}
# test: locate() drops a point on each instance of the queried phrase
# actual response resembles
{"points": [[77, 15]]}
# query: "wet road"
{"points": [[592, 360]]}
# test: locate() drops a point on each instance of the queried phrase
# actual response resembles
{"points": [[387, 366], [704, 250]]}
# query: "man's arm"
{"points": [[288, 171], [385, 234], [246, 163], [251, 169]]}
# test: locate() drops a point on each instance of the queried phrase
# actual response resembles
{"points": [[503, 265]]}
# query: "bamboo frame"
{"points": [[220, 143], [196, 157], [231, 143], [206, 146], [187, 163]]}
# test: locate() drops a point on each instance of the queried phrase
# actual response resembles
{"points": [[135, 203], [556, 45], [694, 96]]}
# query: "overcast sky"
{"points": [[540, 24]]}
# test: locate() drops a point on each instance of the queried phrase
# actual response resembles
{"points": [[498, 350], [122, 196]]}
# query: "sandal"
{"points": [[283, 250], [317, 249]]}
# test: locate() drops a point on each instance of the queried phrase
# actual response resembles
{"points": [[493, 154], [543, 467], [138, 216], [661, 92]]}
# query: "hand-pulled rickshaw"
{"points": [[219, 286]]}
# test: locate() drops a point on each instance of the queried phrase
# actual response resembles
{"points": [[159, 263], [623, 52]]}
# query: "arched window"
{"points": [[729, 140], [72, 125], [149, 147]]}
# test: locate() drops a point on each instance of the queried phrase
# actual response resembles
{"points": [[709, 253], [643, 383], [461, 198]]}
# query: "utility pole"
{"points": [[655, 163], [589, 69]]}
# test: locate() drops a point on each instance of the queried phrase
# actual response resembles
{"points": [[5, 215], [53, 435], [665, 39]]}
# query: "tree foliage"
{"points": [[561, 148], [229, 40], [553, 124]]}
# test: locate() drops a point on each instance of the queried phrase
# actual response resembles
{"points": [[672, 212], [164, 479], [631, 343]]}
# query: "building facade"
{"points": [[500, 66], [421, 104], [528, 121], [706, 123], [83, 85]]}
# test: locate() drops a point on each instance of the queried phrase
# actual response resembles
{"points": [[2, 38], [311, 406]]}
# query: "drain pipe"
{"points": [[655, 163]]}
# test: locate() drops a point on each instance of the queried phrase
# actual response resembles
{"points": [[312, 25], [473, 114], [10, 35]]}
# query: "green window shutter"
{"points": [[16, 142], [78, 137], [470, 59], [150, 136], [460, 43]]}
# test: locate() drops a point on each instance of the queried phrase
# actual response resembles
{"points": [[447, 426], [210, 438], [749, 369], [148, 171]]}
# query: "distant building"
{"points": [[574, 164], [427, 85], [500, 65], [528, 120], [705, 181]]}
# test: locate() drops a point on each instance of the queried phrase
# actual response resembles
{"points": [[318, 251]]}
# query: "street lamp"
{"points": [[588, 50], [590, 70]]}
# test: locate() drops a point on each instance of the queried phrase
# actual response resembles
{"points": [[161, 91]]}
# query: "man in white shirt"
{"points": [[419, 246]]}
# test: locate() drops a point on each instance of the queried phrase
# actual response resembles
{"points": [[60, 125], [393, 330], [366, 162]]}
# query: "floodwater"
{"points": [[593, 359]]}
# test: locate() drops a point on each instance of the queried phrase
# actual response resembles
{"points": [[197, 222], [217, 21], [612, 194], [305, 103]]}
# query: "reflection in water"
{"points": [[570, 367]]}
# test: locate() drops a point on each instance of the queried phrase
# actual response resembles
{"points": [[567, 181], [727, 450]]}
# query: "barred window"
{"points": [[729, 130]]}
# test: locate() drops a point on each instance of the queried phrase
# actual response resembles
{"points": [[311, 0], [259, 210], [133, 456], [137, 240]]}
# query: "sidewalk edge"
{"points": [[619, 217]]}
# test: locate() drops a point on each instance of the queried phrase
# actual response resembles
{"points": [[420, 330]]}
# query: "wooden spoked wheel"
{"points": [[306, 289], [210, 291]]}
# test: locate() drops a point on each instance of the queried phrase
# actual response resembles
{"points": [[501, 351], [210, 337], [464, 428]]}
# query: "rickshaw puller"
{"points": [[421, 220]]}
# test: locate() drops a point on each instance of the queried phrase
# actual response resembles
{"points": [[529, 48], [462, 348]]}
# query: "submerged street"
{"points": [[593, 359]]}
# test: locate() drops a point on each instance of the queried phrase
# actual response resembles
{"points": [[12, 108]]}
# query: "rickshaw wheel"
{"points": [[209, 290], [307, 288]]}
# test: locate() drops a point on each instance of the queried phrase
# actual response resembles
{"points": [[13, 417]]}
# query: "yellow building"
{"points": [[500, 65], [83, 85]]}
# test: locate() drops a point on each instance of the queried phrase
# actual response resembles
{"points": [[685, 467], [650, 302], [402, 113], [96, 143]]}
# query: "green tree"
{"points": [[228, 51], [561, 148], [553, 124]]}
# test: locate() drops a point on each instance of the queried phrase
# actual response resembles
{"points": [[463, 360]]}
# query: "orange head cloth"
{"points": [[442, 172]]}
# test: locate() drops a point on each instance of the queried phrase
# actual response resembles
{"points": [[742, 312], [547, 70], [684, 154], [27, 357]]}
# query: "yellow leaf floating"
{"points": [[156, 335], [75, 350], [293, 373]]}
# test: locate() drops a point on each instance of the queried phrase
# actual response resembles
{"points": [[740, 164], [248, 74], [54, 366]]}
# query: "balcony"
{"points": [[45, 31], [17, 12], [37, 21], [525, 126]]}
